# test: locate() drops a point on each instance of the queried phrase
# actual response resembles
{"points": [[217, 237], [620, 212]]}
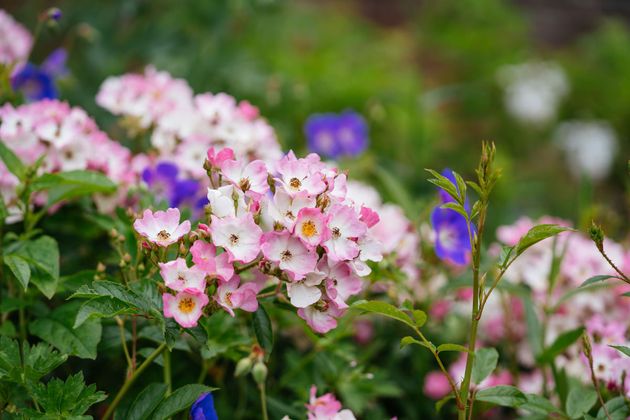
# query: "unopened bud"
{"points": [[259, 372], [597, 235], [243, 367], [100, 267], [183, 250], [54, 13], [127, 257], [586, 344], [113, 233]]}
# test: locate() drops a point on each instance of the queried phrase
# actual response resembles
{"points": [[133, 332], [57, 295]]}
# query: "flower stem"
{"points": [[167, 372], [123, 390], [263, 401]]}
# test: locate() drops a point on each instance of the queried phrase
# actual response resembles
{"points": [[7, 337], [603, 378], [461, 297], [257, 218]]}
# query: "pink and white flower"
{"points": [[178, 276], [297, 176], [205, 257], [226, 201], [249, 177], [162, 227], [306, 292], [240, 236], [345, 228], [322, 316], [326, 407], [310, 227], [185, 307], [230, 296], [289, 253]]}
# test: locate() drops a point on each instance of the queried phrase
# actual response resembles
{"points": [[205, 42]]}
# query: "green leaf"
{"points": [[396, 189], [12, 162], [405, 341], [452, 347], [10, 361], [72, 184], [537, 234], [617, 409], [534, 329], [503, 395], [457, 208], [40, 360], [384, 308], [445, 184], [4, 213], [146, 402], [180, 400], [419, 317], [42, 254], [67, 399], [57, 329], [104, 288], [440, 403], [263, 329], [539, 405], [579, 401], [560, 344], [19, 267], [484, 363], [596, 279], [103, 307], [623, 349]]}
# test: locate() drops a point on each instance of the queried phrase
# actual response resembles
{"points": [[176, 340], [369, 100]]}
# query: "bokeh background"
{"points": [[546, 81], [426, 75]]}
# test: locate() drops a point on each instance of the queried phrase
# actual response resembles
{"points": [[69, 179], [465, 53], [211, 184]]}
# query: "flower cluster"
{"points": [[15, 40], [291, 219], [184, 125], [397, 235], [337, 135], [67, 136], [560, 304]]}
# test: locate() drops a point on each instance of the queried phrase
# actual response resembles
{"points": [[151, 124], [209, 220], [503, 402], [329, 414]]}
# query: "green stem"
{"points": [[167, 372], [123, 342], [263, 401], [123, 390], [22, 316]]}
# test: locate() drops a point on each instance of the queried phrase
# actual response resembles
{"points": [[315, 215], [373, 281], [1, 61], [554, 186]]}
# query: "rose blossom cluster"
{"points": [[290, 219], [599, 308], [15, 40], [183, 125], [398, 236], [67, 136]]}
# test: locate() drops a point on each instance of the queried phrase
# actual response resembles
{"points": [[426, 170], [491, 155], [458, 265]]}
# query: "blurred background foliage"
{"points": [[424, 75], [422, 72]]}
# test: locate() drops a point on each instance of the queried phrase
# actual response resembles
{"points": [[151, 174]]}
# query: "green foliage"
{"points": [[57, 328], [180, 400], [486, 360], [504, 395], [72, 184], [560, 344], [579, 401], [537, 234], [146, 402], [385, 309], [12, 162], [35, 260], [263, 329]]}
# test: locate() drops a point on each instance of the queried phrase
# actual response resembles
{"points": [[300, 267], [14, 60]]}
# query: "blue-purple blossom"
{"points": [[337, 135], [203, 408], [164, 182], [38, 82], [452, 236]]}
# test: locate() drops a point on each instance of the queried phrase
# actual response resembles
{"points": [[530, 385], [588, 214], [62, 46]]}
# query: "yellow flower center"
{"points": [[186, 305], [163, 235], [295, 183], [309, 229]]}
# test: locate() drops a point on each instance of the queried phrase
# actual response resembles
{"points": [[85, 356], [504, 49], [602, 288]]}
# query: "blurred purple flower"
{"points": [[38, 82], [452, 237], [163, 181], [337, 135], [203, 408]]}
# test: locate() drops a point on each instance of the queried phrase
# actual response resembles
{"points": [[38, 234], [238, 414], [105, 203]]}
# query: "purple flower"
{"points": [[163, 181], [337, 135], [203, 408], [38, 82], [452, 236]]}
